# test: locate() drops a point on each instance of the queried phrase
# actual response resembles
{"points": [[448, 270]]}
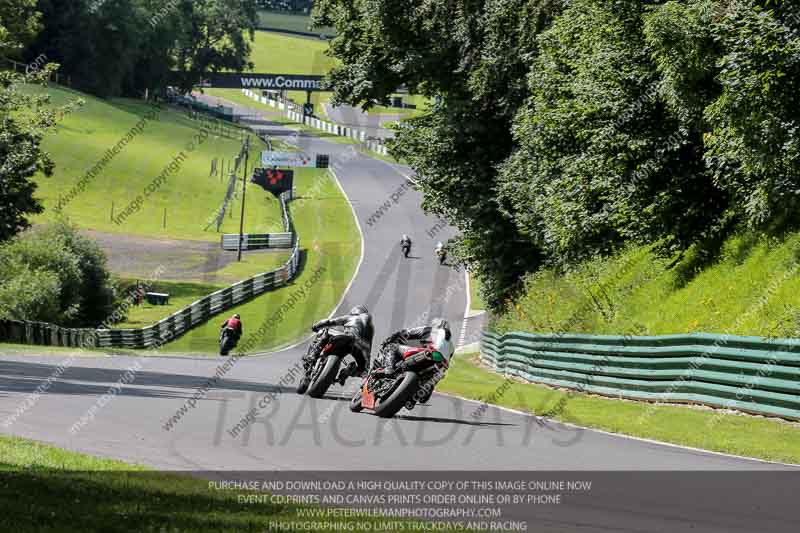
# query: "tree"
{"points": [[23, 121], [53, 274], [568, 130], [126, 46], [471, 57], [96, 44], [19, 23], [753, 148], [211, 35], [602, 160]]}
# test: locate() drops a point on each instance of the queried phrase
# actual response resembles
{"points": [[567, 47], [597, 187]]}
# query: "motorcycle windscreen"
{"points": [[440, 343]]}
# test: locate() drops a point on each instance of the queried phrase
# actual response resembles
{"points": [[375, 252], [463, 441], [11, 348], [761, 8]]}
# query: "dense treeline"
{"points": [[563, 130], [123, 47]]}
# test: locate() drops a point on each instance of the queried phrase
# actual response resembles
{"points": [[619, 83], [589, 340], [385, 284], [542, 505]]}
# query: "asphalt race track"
{"points": [[298, 433]]}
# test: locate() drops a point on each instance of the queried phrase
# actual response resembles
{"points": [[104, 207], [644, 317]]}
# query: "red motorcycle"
{"points": [[385, 392]]}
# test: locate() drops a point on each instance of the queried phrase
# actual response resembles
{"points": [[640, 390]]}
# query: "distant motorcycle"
{"points": [[406, 248], [323, 360], [227, 341], [385, 393], [442, 253]]}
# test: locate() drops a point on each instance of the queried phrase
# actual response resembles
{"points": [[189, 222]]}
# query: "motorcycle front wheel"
{"points": [[391, 405], [355, 402], [319, 385], [303, 385]]}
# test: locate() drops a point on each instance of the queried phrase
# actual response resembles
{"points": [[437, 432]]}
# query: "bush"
{"points": [[55, 275], [31, 295]]}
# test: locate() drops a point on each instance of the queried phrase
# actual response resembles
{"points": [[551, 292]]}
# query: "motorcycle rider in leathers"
{"points": [[438, 334], [235, 325], [358, 324]]}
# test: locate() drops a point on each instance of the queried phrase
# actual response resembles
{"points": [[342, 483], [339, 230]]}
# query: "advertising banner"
{"points": [[274, 82], [286, 159]]}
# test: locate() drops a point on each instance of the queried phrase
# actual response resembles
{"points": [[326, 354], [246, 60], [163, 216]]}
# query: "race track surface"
{"points": [[298, 433]]}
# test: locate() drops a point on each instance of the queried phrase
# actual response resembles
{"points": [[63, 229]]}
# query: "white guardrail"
{"points": [[257, 241], [313, 122]]}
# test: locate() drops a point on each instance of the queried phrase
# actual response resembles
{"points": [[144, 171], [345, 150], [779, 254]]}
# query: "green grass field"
{"points": [[43, 488], [190, 196], [750, 289], [287, 54], [291, 22], [743, 435], [331, 244]]}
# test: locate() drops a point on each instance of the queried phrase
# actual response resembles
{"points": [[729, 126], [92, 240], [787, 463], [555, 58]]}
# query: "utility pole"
{"points": [[244, 190]]}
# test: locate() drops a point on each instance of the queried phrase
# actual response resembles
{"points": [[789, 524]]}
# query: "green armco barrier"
{"points": [[751, 374]]}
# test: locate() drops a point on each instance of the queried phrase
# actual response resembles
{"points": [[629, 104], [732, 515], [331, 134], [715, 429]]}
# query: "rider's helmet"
{"points": [[440, 340], [359, 310], [405, 237], [236, 315], [441, 324]]}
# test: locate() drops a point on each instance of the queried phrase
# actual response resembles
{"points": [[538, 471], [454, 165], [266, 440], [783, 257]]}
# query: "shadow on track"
{"points": [[23, 377], [443, 420]]}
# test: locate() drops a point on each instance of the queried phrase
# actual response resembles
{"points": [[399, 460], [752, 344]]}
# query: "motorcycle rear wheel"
{"points": [[319, 386], [391, 405], [225, 345]]}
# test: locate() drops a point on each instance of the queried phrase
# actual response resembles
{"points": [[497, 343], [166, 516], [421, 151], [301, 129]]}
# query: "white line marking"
{"points": [[360, 232], [463, 336]]}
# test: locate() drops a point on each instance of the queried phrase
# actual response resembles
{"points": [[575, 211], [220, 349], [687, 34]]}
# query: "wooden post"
{"points": [[112, 210], [244, 191], [165, 218]]}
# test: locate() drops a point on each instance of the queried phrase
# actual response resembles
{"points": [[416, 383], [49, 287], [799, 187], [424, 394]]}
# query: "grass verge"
{"points": [[745, 435], [43, 488], [331, 247], [28, 349]]}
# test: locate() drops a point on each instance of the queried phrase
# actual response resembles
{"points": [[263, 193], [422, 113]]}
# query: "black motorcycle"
{"points": [[227, 341], [385, 392], [323, 359]]}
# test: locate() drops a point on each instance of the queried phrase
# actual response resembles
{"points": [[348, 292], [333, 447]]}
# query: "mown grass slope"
{"points": [[189, 195], [291, 22]]}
